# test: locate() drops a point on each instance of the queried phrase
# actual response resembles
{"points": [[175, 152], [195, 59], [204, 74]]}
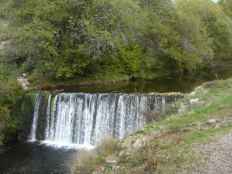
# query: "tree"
{"points": [[227, 6], [62, 39]]}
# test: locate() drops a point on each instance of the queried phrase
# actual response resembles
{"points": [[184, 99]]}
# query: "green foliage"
{"points": [[10, 93], [63, 40], [131, 58], [227, 6]]}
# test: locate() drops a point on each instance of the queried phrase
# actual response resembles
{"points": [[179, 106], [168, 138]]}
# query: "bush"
{"points": [[89, 161], [10, 94]]}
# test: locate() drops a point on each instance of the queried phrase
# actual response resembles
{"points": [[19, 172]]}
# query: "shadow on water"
{"points": [[33, 158], [138, 86]]}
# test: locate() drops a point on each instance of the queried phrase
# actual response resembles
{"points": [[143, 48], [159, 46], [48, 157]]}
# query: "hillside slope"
{"points": [[175, 144], [218, 156]]}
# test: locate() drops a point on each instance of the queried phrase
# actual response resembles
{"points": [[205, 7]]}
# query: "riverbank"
{"points": [[172, 145]]}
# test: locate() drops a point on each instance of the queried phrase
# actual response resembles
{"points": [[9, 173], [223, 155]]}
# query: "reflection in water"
{"points": [[139, 86], [36, 159]]}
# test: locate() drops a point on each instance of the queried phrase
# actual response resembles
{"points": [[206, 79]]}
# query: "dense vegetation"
{"points": [[16, 108], [10, 94], [118, 39]]}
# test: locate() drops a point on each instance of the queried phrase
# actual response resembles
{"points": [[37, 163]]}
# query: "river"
{"points": [[34, 158]]}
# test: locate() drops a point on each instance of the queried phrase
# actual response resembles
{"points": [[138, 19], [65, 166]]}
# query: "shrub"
{"points": [[90, 161]]}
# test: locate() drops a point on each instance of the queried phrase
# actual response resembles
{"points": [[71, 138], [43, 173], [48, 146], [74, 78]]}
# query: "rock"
{"points": [[23, 81], [183, 108], [138, 143], [111, 160], [190, 104], [193, 93], [194, 101], [3, 44], [212, 121], [121, 153], [210, 84]]}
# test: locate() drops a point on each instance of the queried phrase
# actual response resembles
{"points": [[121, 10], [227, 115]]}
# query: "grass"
{"points": [[169, 145]]}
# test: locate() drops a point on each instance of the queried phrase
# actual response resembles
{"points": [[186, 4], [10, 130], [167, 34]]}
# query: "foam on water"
{"points": [[67, 146]]}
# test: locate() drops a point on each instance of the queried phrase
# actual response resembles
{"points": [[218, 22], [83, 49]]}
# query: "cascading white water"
{"points": [[86, 119], [48, 112], [32, 136]]}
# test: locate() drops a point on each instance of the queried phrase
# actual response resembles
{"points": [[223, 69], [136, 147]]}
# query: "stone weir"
{"points": [[86, 119]]}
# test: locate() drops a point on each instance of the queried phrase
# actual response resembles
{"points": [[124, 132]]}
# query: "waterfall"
{"points": [[48, 112], [86, 119], [32, 136]]}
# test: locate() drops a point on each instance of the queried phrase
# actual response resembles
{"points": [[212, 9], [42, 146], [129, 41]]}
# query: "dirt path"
{"points": [[218, 157]]}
